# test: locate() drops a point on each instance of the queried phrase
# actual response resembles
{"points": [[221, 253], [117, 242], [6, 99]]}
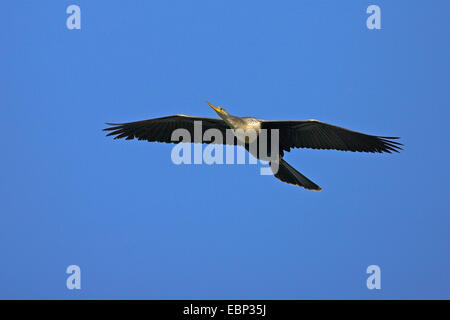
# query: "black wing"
{"points": [[161, 129], [319, 135]]}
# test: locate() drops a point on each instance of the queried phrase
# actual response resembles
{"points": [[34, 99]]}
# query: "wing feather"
{"points": [[320, 135], [161, 129]]}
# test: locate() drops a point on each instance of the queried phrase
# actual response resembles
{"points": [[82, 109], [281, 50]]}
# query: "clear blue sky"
{"points": [[141, 227]]}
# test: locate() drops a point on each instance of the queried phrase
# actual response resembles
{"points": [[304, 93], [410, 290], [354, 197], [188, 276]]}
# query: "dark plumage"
{"points": [[292, 134]]}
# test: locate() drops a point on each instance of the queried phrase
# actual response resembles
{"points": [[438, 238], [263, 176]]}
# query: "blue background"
{"points": [[141, 227]]}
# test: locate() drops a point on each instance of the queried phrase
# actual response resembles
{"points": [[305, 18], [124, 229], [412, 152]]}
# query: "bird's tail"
{"points": [[288, 174]]}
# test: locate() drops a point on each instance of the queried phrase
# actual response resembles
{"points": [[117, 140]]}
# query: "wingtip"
{"points": [[319, 189], [112, 126]]}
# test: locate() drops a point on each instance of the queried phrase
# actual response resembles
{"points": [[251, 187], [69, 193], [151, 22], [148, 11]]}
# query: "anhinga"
{"points": [[292, 134]]}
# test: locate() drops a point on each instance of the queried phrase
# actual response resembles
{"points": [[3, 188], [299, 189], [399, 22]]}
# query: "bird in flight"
{"points": [[311, 134]]}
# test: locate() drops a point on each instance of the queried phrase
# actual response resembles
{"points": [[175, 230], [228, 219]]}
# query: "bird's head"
{"points": [[220, 111]]}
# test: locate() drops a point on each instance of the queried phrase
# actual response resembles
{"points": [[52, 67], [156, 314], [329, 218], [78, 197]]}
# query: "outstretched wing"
{"points": [[161, 129], [319, 135]]}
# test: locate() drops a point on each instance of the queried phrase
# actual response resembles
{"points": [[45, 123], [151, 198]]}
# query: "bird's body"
{"points": [[247, 130], [243, 125]]}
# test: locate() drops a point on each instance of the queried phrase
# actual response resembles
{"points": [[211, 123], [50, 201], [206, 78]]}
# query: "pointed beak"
{"points": [[215, 109]]}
